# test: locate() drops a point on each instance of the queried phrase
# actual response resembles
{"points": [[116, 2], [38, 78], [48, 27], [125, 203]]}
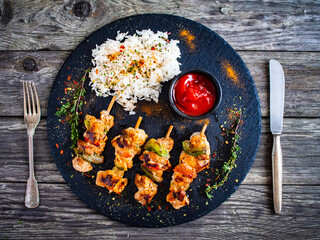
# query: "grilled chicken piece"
{"points": [[81, 165], [146, 189], [178, 199], [127, 145], [166, 142], [153, 164], [90, 148], [182, 177], [112, 180], [190, 164], [96, 134]]}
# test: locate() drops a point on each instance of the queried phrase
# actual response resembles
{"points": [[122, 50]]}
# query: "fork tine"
{"points": [[37, 98], [28, 98], [32, 99], [24, 99]]}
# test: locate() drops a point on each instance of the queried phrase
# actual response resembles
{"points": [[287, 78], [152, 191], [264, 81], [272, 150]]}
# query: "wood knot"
{"points": [[6, 12], [29, 64], [82, 9]]}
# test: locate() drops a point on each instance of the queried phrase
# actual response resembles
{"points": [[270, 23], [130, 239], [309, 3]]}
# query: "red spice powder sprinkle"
{"points": [[149, 208], [122, 47], [65, 90], [213, 155], [69, 78], [62, 121], [61, 152], [97, 71], [57, 145], [75, 82], [167, 207], [159, 207]]}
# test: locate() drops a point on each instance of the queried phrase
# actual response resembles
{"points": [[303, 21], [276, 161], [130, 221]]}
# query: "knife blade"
{"points": [[277, 86]]}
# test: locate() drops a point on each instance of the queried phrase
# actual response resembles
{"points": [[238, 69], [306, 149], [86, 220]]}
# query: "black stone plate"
{"points": [[207, 51]]}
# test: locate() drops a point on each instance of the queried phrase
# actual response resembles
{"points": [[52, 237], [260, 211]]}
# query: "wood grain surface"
{"points": [[36, 37]]}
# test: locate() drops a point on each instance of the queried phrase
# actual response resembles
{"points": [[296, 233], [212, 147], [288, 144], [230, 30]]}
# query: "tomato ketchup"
{"points": [[194, 94]]}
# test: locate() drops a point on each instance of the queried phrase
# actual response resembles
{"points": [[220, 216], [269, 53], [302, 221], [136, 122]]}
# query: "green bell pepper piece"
{"points": [[192, 151], [154, 146], [94, 158]]}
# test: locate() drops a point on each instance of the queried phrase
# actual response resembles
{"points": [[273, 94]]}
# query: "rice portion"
{"points": [[133, 67]]}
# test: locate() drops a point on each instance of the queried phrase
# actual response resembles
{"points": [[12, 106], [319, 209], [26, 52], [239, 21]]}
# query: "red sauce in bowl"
{"points": [[194, 94]]}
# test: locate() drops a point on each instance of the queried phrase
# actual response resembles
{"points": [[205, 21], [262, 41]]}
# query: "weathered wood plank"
{"points": [[249, 212], [302, 72], [246, 25], [300, 166]]}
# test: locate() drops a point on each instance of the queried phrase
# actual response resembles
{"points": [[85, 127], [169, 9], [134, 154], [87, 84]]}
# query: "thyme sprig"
{"points": [[231, 163], [72, 108]]}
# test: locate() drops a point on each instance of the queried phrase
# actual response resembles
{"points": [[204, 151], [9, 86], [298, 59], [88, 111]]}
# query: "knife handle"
{"points": [[277, 173]]}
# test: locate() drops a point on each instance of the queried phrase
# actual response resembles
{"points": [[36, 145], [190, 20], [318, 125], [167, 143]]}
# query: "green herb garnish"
{"points": [[231, 163], [72, 108]]}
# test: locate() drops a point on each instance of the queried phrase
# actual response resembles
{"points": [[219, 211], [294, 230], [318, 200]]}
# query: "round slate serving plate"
{"points": [[207, 51]]}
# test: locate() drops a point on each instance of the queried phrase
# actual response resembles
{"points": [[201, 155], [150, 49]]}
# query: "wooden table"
{"points": [[36, 38]]}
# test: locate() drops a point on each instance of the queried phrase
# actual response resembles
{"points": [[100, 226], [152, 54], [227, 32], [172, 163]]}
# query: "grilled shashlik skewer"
{"points": [[155, 161], [194, 158], [127, 145], [89, 150]]}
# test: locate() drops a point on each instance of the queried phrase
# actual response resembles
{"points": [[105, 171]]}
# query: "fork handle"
{"points": [[32, 192], [277, 173]]}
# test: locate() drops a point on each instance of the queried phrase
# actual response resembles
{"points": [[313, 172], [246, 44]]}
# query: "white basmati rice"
{"points": [[133, 67]]}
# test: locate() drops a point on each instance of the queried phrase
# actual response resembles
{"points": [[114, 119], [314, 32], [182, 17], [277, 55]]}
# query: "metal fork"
{"points": [[31, 118]]}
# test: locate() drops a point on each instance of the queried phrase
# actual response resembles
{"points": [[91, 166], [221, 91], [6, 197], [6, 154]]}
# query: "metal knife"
{"points": [[276, 120]]}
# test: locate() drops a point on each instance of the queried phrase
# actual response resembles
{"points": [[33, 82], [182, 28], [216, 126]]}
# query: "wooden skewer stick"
{"points": [[138, 123], [204, 129], [111, 104], [169, 131]]}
